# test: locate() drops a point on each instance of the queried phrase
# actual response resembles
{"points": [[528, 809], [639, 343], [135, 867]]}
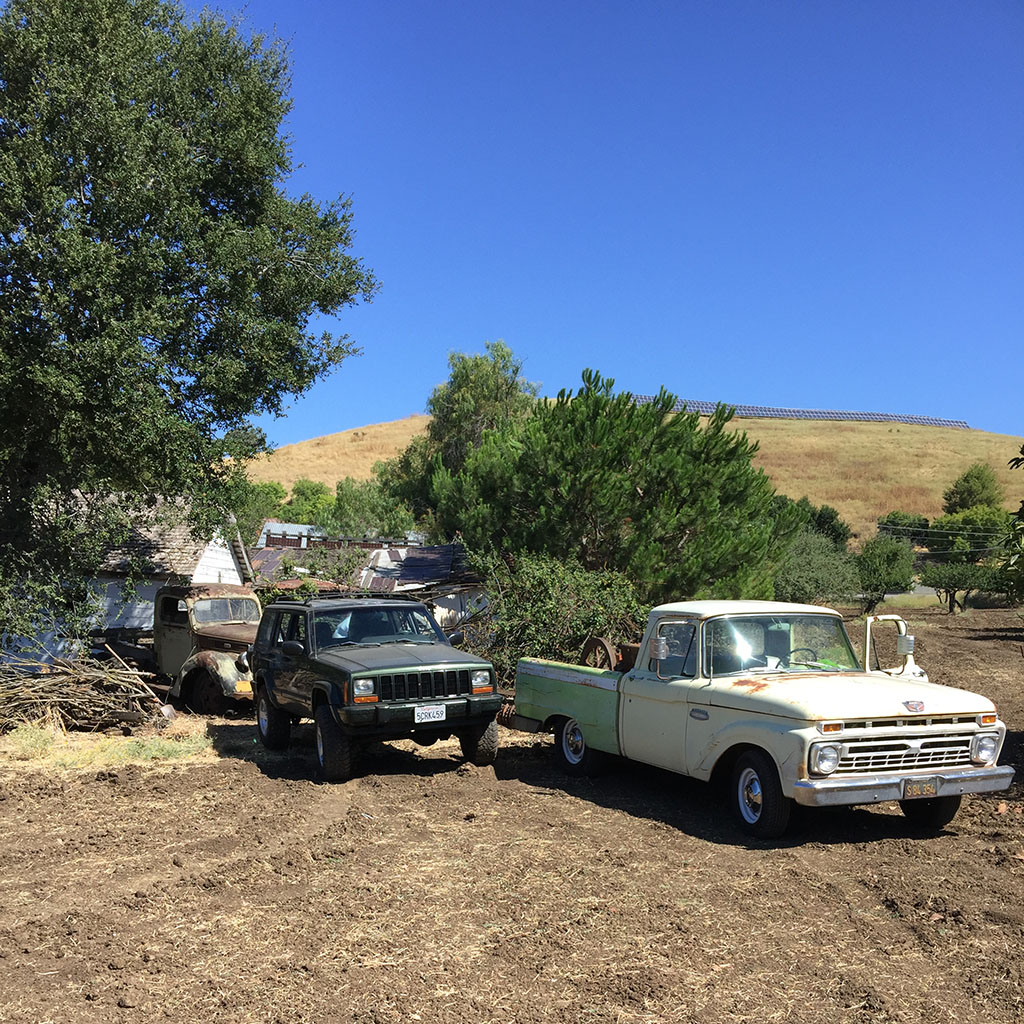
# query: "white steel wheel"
{"points": [[571, 750], [761, 808]]}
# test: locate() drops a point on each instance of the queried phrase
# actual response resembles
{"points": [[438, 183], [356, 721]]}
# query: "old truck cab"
{"points": [[201, 633], [771, 698]]}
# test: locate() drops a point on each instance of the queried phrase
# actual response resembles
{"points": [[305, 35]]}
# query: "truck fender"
{"points": [[325, 693], [221, 665], [779, 742]]}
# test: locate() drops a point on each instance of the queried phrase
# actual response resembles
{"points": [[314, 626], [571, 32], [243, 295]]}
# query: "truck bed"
{"points": [[550, 689]]}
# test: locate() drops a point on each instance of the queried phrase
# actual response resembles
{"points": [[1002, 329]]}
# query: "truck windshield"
{"points": [[777, 643], [374, 626], [225, 609]]}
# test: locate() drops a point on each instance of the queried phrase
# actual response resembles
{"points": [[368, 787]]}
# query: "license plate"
{"points": [[428, 713], [913, 788]]}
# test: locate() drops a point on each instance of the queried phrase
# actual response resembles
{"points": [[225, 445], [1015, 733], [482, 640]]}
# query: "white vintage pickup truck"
{"points": [[771, 698]]}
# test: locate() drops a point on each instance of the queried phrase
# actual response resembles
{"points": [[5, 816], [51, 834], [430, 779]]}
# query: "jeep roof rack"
{"points": [[335, 595]]}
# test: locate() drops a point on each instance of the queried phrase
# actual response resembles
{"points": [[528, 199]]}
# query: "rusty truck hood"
{"points": [[828, 696], [238, 634]]}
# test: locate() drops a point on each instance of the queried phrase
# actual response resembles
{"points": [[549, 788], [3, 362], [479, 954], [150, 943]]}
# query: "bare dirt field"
{"points": [[236, 888]]}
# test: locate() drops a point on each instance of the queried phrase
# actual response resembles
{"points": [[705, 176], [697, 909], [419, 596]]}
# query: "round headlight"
{"points": [[362, 687], [481, 677], [825, 758], [985, 749]]}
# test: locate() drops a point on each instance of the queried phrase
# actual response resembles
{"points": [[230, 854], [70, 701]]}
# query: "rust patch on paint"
{"points": [[753, 685]]}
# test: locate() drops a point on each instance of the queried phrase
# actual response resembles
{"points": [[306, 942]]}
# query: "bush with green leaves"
{"points": [[975, 486], [885, 565], [1013, 565], [948, 579], [362, 509], [545, 607], [815, 571], [909, 525], [971, 535]]}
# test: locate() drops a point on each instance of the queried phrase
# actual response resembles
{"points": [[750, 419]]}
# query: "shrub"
{"points": [[971, 535], [815, 571], [909, 525], [976, 486], [947, 579], [885, 564], [543, 607]]}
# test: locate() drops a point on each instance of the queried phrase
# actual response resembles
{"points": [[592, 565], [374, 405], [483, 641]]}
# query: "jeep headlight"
{"points": [[984, 748], [362, 687], [480, 680], [825, 758]]}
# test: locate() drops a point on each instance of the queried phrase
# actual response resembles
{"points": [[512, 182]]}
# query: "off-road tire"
{"points": [[273, 726], [932, 814], [480, 745], [760, 806], [572, 754], [205, 696], [333, 747]]}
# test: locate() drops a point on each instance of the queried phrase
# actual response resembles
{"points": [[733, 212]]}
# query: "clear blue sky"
{"points": [[801, 204]]}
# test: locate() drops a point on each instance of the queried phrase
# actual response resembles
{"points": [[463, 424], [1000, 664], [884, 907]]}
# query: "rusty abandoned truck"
{"points": [[368, 669], [201, 633], [770, 699]]}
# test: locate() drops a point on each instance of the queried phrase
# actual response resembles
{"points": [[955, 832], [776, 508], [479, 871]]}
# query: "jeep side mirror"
{"points": [[456, 638], [293, 648]]}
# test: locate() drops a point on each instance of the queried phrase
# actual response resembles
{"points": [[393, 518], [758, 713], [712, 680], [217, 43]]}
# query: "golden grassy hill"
{"points": [[862, 469]]}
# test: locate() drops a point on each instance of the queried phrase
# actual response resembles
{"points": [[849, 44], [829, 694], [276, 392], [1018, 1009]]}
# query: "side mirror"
{"points": [[659, 648], [905, 645], [242, 661], [293, 648], [456, 638]]}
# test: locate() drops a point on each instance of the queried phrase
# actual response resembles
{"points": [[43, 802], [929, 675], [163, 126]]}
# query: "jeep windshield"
{"points": [[777, 643], [334, 627], [211, 610]]}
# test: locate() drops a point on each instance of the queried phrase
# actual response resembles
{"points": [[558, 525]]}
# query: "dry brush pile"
{"points": [[79, 694]]}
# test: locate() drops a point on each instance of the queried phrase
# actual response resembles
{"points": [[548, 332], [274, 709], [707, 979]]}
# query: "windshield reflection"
{"points": [[777, 643]]}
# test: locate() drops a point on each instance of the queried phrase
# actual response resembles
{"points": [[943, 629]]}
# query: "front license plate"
{"points": [[913, 788], [428, 713]]}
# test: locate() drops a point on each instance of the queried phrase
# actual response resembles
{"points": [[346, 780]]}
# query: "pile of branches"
{"points": [[79, 694]]}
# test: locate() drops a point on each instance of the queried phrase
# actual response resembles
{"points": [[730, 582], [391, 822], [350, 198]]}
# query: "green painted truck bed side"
{"points": [[590, 695]]}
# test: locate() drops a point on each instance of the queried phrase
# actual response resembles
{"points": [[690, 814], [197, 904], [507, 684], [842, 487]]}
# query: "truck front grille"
{"points": [[885, 755], [423, 685]]}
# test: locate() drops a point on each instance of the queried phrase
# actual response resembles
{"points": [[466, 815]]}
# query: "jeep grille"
{"points": [[423, 685]]}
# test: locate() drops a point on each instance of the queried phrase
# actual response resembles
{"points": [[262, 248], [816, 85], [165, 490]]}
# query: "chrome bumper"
{"points": [[873, 789]]}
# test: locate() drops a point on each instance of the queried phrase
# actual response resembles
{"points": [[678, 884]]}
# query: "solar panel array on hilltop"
{"points": [[772, 412]]}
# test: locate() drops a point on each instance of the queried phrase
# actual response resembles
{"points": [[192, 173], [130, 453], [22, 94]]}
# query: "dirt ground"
{"points": [[239, 889]]}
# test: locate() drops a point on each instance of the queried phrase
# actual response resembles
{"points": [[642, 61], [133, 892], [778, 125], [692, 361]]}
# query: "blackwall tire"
{"points": [[931, 815], [205, 696], [761, 808], [480, 745], [333, 747], [273, 726]]}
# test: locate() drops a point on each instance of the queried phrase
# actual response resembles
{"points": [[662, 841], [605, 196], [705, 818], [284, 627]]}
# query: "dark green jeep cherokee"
{"points": [[367, 669]]}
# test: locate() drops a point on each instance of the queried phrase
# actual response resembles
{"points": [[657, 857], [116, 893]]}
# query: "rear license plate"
{"points": [[914, 788], [428, 713]]}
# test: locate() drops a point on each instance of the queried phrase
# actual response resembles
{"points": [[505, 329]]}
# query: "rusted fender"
{"points": [[222, 666]]}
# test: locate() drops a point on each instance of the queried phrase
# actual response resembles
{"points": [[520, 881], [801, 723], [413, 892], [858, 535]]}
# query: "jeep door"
{"points": [[284, 670]]}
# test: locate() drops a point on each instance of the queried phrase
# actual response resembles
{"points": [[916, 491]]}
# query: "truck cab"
{"points": [[201, 633]]}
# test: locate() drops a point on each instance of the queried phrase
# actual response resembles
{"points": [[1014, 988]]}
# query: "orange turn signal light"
{"points": [[371, 699], [832, 727], [482, 689], [989, 719]]}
